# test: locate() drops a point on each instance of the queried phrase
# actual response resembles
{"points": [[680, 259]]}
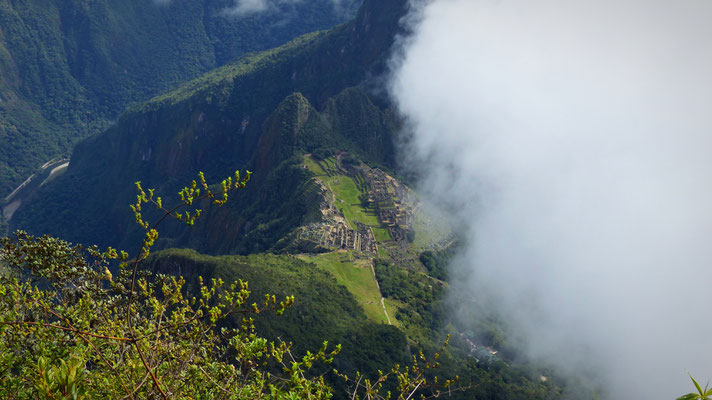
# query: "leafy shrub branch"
{"points": [[702, 394]]}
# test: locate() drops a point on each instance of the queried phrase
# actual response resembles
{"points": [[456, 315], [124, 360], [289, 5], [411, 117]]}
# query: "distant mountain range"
{"points": [[68, 68], [257, 113]]}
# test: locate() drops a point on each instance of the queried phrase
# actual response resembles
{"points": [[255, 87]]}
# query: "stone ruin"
{"points": [[335, 232], [394, 206], [339, 235], [392, 200]]}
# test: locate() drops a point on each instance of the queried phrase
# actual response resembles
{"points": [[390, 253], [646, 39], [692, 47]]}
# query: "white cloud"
{"points": [[245, 7], [576, 139], [251, 7]]}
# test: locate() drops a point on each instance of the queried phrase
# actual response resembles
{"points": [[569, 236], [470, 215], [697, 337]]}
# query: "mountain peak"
{"points": [[231, 119]]}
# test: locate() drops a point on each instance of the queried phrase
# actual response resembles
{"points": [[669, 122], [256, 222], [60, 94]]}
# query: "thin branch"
{"points": [[121, 339], [150, 371], [121, 381], [93, 348], [143, 382], [414, 389], [216, 383], [139, 254], [353, 397]]}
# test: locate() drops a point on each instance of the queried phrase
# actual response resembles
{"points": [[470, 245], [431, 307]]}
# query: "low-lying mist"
{"points": [[574, 139]]}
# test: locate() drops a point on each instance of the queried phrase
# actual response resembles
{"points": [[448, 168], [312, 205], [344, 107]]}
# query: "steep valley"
{"points": [[70, 68], [327, 216]]}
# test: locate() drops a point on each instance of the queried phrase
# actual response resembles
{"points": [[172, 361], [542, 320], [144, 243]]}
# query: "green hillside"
{"points": [[356, 276], [68, 68], [326, 310], [259, 113]]}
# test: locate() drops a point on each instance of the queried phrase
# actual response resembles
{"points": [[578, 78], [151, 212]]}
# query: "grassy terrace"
{"points": [[314, 166], [381, 234], [350, 205], [357, 277]]}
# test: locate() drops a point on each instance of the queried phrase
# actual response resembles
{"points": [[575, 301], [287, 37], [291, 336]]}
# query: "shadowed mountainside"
{"points": [[257, 113], [68, 68]]}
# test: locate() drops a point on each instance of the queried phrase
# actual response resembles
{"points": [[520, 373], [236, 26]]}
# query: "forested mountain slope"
{"points": [[68, 68], [366, 261], [326, 310], [259, 113]]}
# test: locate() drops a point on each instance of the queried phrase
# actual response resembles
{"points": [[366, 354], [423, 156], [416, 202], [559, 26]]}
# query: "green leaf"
{"points": [[697, 385], [689, 396]]}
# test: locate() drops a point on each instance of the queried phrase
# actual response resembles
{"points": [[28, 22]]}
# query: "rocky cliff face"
{"points": [[255, 113], [68, 68]]}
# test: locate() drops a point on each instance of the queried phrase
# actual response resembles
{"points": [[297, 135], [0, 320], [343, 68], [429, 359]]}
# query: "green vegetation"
{"points": [[357, 277], [69, 328], [437, 262], [323, 308], [313, 166], [69, 68], [393, 306], [348, 202], [702, 394], [256, 113], [382, 234], [417, 296], [219, 77], [280, 199], [227, 112]]}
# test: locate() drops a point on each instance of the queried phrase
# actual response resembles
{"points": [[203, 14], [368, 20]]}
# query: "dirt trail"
{"points": [[383, 301]]}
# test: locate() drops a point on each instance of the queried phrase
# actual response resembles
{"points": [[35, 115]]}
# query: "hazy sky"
{"points": [[575, 137]]}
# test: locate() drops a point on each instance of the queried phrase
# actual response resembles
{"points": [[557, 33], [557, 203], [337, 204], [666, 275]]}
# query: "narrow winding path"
{"points": [[13, 201], [383, 301]]}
